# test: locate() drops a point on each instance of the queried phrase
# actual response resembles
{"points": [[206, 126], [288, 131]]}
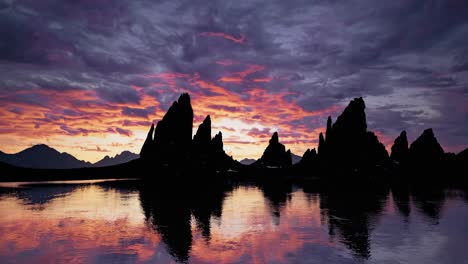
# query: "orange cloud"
{"points": [[71, 119]]}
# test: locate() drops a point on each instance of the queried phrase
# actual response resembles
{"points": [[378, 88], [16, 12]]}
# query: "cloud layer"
{"points": [[106, 69]]}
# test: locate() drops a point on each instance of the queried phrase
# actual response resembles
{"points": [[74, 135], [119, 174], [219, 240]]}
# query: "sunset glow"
{"points": [[89, 79]]}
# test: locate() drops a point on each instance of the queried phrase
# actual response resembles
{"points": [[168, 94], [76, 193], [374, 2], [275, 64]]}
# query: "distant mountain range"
{"points": [[44, 157], [295, 159], [123, 157]]}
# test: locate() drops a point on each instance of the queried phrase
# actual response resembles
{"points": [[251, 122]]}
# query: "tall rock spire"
{"points": [[400, 149], [329, 128], [426, 148], [146, 149], [321, 145], [173, 133], [203, 135], [348, 145]]}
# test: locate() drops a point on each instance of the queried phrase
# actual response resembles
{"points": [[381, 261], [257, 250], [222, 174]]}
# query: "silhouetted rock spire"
{"points": [[353, 119], [172, 142], [175, 128], [400, 149], [217, 142], [203, 135], [275, 155], [348, 145], [146, 149], [321, 145], [426, 149], [329, 128]]}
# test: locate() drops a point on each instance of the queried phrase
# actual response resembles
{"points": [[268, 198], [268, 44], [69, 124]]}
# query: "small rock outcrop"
{"points": [[308, 160]]}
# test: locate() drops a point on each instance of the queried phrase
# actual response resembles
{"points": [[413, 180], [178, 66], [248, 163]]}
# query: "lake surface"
{"points": [[121, 222]]}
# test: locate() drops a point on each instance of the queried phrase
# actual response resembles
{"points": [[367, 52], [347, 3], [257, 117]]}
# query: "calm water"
{"points": [[119, 222]]}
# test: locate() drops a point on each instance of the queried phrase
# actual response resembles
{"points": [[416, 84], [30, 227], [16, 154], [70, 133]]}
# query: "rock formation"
{"points": [[309, 160], [203, 136], [348, 145], [171, 144], [426, 149], [400, 151], [275, 155], [147, 148], [173, 134], [321, 145]]}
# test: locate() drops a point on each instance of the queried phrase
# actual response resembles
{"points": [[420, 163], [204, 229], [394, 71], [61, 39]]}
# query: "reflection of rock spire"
{"points": [[351, 217]]}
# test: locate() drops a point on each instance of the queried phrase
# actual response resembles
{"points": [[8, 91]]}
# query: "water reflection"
{"points": [[353, 215], [170, 215], [128, 222]]}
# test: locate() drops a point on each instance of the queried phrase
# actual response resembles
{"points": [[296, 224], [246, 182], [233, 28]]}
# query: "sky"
{"points": [[90, 76]]}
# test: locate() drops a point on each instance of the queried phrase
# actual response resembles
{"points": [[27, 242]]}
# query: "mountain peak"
{"points": [[42, 156]]}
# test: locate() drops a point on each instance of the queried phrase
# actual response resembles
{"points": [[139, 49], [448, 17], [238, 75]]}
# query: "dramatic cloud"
{"points": [[100, 71]]}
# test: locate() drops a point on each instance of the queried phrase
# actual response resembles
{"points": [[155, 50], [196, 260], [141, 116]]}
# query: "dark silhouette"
{"points": [[430, 201], [309, 160], [425, 150], [275, 155], [169, 213], [401, 198], [203, 136], [170, 144], [123, 157], [43, 157], [171, 219], [400, 150], [40, 194], [462, 163], [172, 137], [347, 150], [352, 216], [348, 146], [277, 195]]}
